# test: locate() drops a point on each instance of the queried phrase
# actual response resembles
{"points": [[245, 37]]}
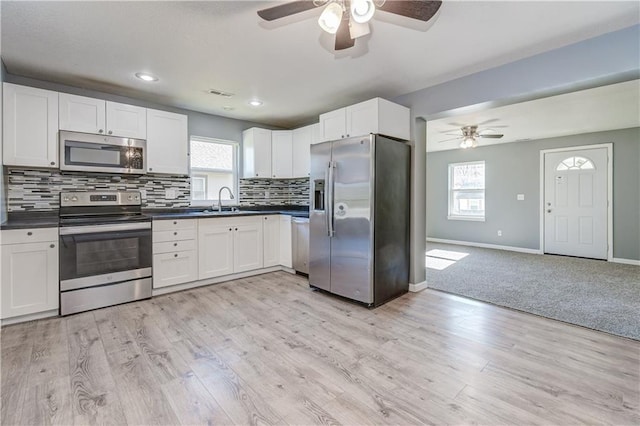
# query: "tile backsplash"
{"points": [[38, 190], [265, 192]]}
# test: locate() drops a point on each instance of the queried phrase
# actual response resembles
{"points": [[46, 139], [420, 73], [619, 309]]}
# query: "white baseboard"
{"points": [[209, 281], [626, 261], [30, 317], [483, 245], [414, 288]]}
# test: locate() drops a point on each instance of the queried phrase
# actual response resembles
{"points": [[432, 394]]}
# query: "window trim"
{"points": [[451, 191], [235, 171]]}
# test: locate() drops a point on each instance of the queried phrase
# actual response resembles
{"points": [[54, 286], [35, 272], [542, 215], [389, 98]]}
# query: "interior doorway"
{"points": [[576, 205]]}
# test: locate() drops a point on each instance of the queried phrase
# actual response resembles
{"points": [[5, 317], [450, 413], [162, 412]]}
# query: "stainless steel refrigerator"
{"points": [[359, 218]]}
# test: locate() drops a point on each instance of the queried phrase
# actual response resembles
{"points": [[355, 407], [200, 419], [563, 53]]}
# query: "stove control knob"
{"points": [[130, 197], [74, 198], [66, 198]]}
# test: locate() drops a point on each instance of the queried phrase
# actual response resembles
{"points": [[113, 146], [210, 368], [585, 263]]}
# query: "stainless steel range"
{"points": [[105, 250]]}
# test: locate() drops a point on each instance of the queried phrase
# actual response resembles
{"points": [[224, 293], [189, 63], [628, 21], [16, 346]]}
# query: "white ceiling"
{"points": [[289, 64], [616, 106]]}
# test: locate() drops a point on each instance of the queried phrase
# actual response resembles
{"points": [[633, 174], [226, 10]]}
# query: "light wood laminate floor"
{"points": [[268, 350]]}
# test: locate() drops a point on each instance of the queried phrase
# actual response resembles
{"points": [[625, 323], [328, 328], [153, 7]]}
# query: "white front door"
{"points": [[575, 203]]}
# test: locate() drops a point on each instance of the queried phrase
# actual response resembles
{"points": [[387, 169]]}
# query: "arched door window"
{"points": [[575, 163]]}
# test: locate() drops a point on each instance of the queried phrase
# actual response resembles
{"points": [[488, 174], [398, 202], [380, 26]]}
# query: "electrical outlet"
{"points": [[170, 194], [520, 197], [266, 194], [499, 232], [143, 194]]}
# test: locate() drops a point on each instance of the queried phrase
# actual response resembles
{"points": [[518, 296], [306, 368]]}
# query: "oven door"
{"points": [[104, 254]]}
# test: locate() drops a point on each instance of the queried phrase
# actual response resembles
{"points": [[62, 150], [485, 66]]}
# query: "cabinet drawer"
{"points": [[34, 235], [166, 225], [174, 235], [173, 246]]}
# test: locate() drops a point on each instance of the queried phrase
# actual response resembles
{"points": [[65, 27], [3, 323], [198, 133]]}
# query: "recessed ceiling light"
{"points": [[146, 77], [255, 102], [228, 108]]}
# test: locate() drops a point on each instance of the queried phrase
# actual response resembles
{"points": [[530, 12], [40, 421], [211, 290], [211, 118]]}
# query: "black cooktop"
{"points": [[102, 219]]}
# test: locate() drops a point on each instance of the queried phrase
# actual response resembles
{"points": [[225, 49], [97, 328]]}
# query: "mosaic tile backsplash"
{"points": [[272, 192], [38, 190]]}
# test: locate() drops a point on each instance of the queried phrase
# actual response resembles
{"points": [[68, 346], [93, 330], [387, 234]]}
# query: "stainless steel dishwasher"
{"points": [[300, 237]]}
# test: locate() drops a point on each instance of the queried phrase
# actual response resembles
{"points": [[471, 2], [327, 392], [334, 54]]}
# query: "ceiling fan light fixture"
{"points": [[362, 10], [331, 17], [468, 142], [358, 30]]}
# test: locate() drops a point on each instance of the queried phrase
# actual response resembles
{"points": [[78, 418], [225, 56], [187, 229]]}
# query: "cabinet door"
{"points": [[362, 118], [301, 151], [29, 278], [167, 143], [174, 268], [333, 125], [281, 158], [256, 146], [30, 126], [81, 114], [285, 241], [126, 120], [271, 237], [215, 248], [247, 245]]}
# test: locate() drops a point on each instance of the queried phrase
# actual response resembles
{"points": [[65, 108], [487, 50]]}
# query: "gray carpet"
{"points": [[591, 293]]}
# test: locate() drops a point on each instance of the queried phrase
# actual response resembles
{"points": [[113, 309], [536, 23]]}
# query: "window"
{"points": [[214, 164], [575, 163], [466, 191]]}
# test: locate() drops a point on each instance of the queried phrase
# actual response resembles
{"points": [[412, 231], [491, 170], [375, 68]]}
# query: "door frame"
{"points": [[609, 147]]}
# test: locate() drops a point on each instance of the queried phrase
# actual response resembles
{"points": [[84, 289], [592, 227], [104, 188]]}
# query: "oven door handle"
{"points": [[93, 229]]}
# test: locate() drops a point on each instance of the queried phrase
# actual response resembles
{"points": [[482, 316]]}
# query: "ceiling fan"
{"points": [[348, 19], [470, 135]]}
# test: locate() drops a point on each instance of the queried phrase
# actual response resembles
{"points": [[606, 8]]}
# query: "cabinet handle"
{"points": [[175, 255], [347, 135], [100, 131], [150, 169], [230, 229], [236, 229], [29, 233], [266, 218], [175, 222], [175, 233], [175, 244], [110, 132], [341, 136], [52, 246], [256, 174], [53, 163]]}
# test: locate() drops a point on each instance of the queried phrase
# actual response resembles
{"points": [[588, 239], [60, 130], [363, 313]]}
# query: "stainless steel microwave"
{"points": [[86, 152]]}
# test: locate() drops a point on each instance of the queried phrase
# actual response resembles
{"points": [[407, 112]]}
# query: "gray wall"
{"points": [[514, 168], [610, 58]]}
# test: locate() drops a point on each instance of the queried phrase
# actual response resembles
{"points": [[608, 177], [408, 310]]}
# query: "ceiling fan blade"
{"points": [[422, 10], [452, 139], [286, 9], [491, 136], [343, 35]]}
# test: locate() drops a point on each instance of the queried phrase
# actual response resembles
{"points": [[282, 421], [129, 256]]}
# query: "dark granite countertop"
{"points": [[26, 220], [195, 213]]}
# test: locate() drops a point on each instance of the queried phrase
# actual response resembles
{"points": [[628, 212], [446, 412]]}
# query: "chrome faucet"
{"points": [[220, 197]]}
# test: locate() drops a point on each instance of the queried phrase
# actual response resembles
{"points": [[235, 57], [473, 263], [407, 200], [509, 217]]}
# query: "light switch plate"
{"points": [[520, 197]]}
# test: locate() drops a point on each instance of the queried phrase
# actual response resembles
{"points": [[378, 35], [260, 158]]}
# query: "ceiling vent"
{"points": [[220, 93]]}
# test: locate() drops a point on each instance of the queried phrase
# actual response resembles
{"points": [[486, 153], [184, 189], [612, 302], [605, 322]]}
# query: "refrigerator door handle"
{"points": [[330, 190]]}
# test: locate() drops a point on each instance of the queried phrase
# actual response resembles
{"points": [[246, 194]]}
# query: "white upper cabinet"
{"points": [[167, 143], [333, 125], [126, 120], [373, 116], [90, 115], [30, 126], [256, 146], [82, 114], [281, 154], [302, 140]]}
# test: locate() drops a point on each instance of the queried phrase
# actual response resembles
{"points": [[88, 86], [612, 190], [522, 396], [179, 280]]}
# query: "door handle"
{"points": [[332, 166], [548, 210]]}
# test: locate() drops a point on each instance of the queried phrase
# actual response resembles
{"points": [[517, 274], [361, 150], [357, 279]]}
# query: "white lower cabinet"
{"points": [[271, 230], [229, 245], [30, 281], [286, 258], [175, 256]]}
